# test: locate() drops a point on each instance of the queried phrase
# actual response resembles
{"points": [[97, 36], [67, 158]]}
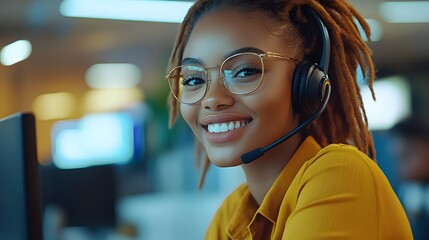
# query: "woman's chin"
{"points": [[224, 162]]}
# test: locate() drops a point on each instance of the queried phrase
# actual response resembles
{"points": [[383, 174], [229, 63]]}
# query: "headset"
{"points": [[311, 90], [310, 79]]}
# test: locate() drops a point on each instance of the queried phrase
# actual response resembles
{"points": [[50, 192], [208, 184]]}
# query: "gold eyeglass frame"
{"points": [[205, 68]]}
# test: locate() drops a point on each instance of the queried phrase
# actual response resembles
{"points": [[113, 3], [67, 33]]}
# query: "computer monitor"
{"points": [[20, 207], [85, 197]]}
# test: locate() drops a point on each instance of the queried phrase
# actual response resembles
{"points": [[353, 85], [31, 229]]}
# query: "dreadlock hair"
{"points": [[344, 119]]}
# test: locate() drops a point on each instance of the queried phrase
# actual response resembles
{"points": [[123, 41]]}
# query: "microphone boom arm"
{"points": [[258, 152]]}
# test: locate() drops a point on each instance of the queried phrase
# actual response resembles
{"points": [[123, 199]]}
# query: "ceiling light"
{"points": [[405, 12], [113, 76], [151, 11], [15, 52]]}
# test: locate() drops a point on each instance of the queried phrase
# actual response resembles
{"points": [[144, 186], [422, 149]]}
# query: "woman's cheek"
{"points": [[190, 115]]}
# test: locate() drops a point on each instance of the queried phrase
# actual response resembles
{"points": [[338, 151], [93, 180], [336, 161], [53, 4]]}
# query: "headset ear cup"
{"points": [[315, 88], [307, 88], [299, 87]]}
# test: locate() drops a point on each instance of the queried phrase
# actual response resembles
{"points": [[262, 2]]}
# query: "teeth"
{"points": [[226, 126], [230, 126], [223, 127]]}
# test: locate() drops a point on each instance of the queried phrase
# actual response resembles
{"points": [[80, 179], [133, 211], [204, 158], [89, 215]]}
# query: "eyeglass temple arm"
{"points": [[280, 56]]}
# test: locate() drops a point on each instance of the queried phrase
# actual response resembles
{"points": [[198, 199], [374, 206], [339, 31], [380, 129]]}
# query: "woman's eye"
{"points": [[244, 72], [192, 81]]}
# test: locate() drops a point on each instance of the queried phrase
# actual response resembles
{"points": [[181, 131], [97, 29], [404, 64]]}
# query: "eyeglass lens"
{"points": [[241, 74]]}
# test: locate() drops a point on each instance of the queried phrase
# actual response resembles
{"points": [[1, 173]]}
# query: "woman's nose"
{"points": [[217, 96]]}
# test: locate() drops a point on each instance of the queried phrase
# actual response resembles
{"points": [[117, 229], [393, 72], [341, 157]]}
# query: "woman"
{"points": [[247, 73]]}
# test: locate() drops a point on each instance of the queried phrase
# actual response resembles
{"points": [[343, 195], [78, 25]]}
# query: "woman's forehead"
{"points": [[223, 31]]}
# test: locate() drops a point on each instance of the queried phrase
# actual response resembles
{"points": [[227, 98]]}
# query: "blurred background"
{"points": [[94, 78]]}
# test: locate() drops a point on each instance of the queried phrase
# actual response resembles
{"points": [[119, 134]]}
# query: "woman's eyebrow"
{"points": [[192, 61], [240, 50], [245, 49]]}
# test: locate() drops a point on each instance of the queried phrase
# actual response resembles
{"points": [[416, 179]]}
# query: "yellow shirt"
{"points": [[332, 193]]}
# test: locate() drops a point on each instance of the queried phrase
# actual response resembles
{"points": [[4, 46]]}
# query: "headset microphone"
{"points": [[259, 152]]}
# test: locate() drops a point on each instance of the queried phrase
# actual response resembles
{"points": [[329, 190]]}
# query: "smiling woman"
{"points": [[253, 75]]}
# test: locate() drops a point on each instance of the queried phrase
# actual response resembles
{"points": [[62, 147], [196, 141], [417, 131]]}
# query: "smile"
{"points": [[225, 126]]}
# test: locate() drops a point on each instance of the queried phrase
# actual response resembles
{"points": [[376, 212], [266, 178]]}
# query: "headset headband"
{"points": [[326, 48]]}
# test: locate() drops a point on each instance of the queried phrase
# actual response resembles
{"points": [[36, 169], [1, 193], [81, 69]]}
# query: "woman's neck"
{"points": [[262, 173]]}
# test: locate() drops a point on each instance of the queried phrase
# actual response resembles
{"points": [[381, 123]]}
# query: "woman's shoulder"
{"points": [[345, 155], [347, 169], [344, 162], [347, 184]]}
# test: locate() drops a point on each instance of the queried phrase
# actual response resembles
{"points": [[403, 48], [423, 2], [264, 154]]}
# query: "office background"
{"points": [[89, 79]]}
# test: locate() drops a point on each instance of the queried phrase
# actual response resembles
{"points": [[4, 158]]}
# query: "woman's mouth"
{"points": [[226, 126]]}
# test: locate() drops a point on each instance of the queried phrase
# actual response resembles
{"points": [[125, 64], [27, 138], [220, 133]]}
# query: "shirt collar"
{"points": [[242, 217]]}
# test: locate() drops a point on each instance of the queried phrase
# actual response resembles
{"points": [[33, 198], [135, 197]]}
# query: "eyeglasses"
{"points": [[241, 73]]}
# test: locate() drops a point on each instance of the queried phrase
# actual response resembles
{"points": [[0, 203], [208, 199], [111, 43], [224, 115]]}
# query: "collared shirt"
{"points": [[332, 193]]}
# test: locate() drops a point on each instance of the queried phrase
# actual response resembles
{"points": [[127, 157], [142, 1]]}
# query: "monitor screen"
{"points": [[20, 209], [95, 139]]}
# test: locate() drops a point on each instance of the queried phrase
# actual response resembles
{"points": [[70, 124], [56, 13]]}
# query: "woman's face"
{"points": [[258, 118]]}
